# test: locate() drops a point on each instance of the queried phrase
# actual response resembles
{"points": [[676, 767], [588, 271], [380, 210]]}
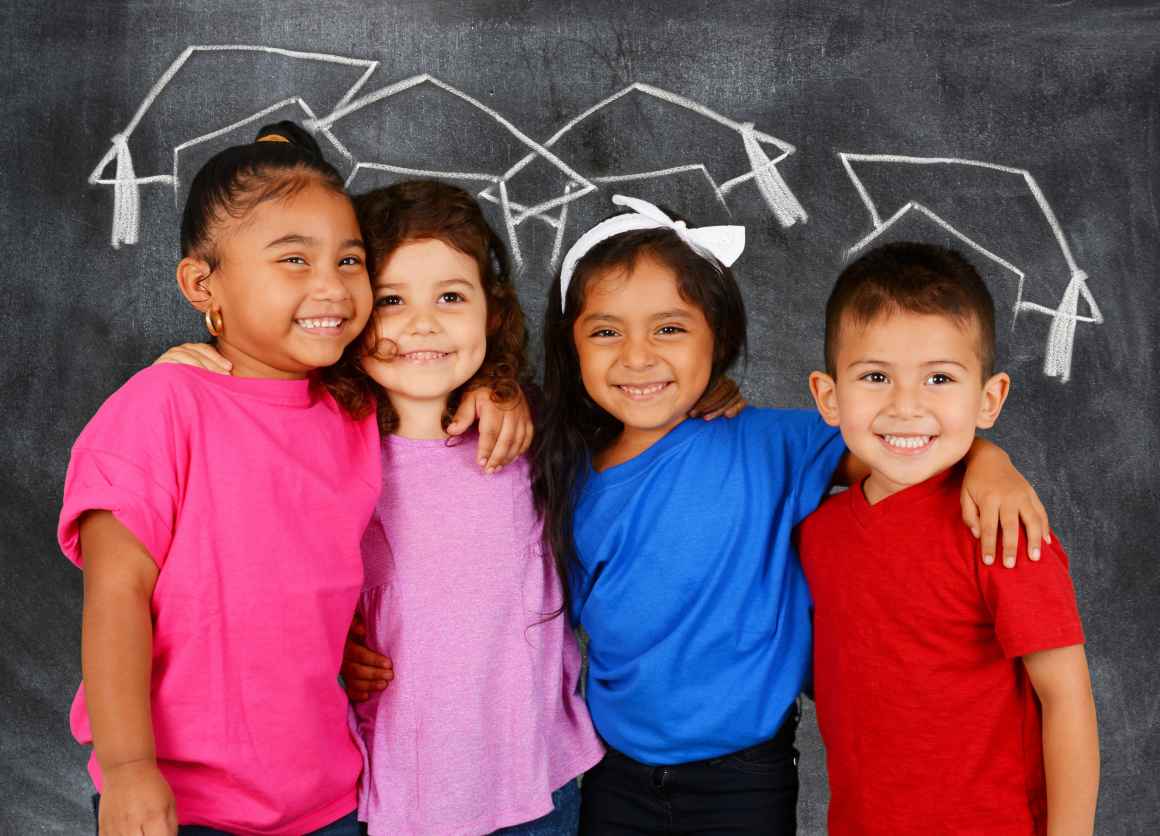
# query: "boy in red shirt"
{"points": [[953, 697]]}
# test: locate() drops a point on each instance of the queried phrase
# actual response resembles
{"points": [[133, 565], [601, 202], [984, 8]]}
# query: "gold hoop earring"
{"points": [[213, 321]]}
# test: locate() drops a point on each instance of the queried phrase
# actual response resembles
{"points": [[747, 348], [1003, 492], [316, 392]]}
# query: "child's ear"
{"points": [[192, 274], [825, 393], [995, 392]]}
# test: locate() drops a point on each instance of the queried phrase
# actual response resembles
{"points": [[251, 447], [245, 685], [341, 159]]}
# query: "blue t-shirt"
{"points": [[694, 601]]}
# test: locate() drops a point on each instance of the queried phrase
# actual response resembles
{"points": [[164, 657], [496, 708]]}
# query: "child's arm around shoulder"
{"points": [[1071, 747], [505, 426], [116, 659], [995, 497]]}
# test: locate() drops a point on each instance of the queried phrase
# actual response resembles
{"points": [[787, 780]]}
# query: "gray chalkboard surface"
{"points": [[1027, 134]]}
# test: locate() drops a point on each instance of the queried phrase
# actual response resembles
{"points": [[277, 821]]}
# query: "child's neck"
{"points": [[246, 365], [419, 418], [877, 486], [628, 445]]}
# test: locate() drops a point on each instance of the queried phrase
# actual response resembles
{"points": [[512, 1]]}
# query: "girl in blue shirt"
{"points": [[674, 535]]}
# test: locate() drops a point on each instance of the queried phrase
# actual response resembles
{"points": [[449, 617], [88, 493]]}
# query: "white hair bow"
{"points": [[722, 244]]}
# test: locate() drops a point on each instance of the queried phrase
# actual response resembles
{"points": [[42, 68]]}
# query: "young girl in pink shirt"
{"points": [[218, 521]]}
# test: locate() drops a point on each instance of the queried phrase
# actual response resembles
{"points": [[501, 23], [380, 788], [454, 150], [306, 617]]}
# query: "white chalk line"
{"points": [[253, 117], [1061, 335], [777, 195], [126, 199]]}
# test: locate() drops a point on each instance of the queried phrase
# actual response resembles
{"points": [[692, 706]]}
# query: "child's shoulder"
{"points": [[833, 513], [151, 388], [776, 420]]}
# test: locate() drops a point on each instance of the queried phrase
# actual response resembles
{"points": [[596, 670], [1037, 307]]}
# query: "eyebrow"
{"points": [[676, 313], [870, 361], [308, 241], [453, 282]]}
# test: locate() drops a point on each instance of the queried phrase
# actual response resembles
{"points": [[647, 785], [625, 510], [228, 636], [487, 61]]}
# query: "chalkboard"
{"points": [[1026, 134]]}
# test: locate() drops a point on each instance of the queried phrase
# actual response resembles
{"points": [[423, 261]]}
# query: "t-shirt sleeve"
{"points": [[124, 462], [1033, 604], [815, 449]]}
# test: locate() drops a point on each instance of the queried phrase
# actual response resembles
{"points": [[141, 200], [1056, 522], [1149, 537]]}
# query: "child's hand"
{"points": [[364, 672], [505, 428], [202, 355], [136, 801], [723, 399], [994, 494]]}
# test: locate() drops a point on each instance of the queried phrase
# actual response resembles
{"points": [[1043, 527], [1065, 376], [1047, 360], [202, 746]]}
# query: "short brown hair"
{"points": [[419, 210], [913, 278]]}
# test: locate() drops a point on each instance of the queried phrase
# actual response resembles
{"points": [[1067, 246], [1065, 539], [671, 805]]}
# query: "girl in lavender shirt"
{"points": [[482, 728]]}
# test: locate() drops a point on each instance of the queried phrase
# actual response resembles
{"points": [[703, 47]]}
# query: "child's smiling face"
{"points": [[430, 303], [292, 284], [645, 352], [908, 394]]}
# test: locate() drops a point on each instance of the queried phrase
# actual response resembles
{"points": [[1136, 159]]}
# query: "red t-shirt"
{"points": [[928, 717]]}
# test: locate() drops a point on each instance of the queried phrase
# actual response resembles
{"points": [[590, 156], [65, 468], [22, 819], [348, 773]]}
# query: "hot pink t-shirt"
{"points": [[252, 497], [483, 719]]}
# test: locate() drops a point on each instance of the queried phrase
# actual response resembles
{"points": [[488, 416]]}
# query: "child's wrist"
{"points": [[126, 764]]}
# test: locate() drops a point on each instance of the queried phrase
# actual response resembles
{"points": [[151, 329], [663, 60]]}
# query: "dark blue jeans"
{"points": [[346, 826], [753, 791], [562, 821]]}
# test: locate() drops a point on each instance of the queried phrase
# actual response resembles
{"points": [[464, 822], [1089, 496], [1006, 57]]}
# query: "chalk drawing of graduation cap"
{"points": [[998, 204], [643, 134], [423, 127], [210, 93]]}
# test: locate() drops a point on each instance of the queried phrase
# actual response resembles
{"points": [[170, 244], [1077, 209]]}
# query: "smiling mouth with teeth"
{"points": [[322, 323], [644, 391], [424, 356], [907, 442]]}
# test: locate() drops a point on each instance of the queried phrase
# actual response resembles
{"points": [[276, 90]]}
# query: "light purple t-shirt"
{"points": [[251, 496], [483, 719]]}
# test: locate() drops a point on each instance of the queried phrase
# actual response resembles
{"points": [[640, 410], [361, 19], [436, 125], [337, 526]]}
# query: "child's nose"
{"points": [[906, 401], [423, 321], [637, 354], [329, 284]]}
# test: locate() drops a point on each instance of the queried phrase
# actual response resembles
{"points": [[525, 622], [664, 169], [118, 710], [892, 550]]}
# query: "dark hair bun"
{"points": [[294, 134]]}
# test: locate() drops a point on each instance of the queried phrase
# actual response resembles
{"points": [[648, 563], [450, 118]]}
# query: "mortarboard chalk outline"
{"points": [[126, 183], [763, 170], [497, 182], [1061, 335]]}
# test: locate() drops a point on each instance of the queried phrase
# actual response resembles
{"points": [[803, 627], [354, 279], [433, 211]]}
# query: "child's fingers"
{"points": [[735, 409], [1046, 519], [1033, 525], [211, 358], [366, 675], [490, 422], [970, 513], [358, 654], [162, 823], [989, 529], [1010, 522], [528, 433], [504, 451], [465, 415]]}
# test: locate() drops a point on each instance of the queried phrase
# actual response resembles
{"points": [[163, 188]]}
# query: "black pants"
{"points": [[753, 791]]}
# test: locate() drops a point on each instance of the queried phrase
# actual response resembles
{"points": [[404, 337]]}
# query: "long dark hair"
{"points": [[572, 427]]}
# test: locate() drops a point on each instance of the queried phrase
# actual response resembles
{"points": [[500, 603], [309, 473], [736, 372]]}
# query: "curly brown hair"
{"points": [[419, 210]]}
